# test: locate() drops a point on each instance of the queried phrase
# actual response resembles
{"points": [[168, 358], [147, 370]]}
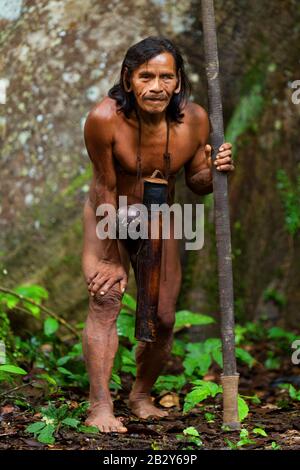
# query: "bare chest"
{"points": [[152, 146]]}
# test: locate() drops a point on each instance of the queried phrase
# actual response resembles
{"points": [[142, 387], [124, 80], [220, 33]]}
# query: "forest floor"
{"points": [[276, 414]]}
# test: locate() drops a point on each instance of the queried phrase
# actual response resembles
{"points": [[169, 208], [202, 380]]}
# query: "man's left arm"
{"points": [[198, 170]]}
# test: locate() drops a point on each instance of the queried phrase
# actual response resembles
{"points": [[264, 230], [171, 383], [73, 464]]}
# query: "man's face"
{"points": [[154, 82]]}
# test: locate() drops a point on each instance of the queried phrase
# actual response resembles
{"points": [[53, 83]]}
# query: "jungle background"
{"points": [[58, 58]]}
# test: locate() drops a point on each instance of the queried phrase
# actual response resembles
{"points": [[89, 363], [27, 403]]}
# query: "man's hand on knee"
{"points": [[105, 275]]}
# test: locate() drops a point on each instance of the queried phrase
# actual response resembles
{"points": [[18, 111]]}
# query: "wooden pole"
{"points": [[230, 377]]}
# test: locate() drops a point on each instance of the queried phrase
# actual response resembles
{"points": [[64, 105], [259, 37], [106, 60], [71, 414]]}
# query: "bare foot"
{"points": [[141, 405], [103, 418]]}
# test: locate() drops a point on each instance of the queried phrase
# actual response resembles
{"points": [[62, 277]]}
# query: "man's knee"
{"points": [[166, 321], [106, 307]]}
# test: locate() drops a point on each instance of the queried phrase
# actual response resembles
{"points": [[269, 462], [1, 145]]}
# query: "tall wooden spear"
{"points": [[230, 377]]}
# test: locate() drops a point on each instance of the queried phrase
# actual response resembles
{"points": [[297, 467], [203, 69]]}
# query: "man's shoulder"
{"points": [[104, 112], [194, 113], [100, 123]]}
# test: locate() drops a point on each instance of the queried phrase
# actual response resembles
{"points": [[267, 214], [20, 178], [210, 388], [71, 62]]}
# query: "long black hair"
{"points": [[137, 55]]}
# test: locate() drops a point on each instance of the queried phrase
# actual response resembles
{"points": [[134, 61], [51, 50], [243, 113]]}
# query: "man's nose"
{"points": [[156, 85]]}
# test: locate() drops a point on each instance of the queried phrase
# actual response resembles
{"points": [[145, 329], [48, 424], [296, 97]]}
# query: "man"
{"points": [[126, 130]]}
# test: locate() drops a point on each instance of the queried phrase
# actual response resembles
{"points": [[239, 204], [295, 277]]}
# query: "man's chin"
{"points": [[155, 108]]}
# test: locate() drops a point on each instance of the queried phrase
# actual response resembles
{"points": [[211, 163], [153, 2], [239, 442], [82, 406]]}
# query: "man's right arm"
{"points": [[108, 269], [98, 136]]}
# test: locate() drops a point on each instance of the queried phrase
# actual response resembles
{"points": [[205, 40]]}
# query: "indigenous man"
{"points": [[145, 123]]}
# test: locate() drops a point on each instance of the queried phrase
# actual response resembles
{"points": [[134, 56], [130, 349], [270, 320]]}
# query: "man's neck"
{"points": [[152, 120]]}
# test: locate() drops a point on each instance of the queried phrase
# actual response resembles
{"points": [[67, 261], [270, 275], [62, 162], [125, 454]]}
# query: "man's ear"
{"points": [[126, 81], [178, 87]]}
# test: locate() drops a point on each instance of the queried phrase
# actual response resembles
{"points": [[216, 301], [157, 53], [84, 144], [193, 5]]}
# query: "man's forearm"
{"points": [[104, 248], [201, 183]]}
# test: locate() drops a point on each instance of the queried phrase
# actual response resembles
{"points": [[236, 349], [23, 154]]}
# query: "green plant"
{"points": [[202, 390], [275, 446], [277, 297], [55, 418], [293, 393], [259, 432], [243, 441], [190, 435]]}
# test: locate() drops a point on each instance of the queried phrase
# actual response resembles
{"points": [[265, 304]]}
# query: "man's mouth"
{"points": [[155, 99]]}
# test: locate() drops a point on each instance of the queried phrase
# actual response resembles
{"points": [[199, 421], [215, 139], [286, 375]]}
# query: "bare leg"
{"points": [[100, 339], [100, 344], [152, 357]]}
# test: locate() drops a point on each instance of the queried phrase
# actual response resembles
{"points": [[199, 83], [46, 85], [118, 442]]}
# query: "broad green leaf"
{"points": [[126, 326], [50, 326], [65, 371], [260, 432], [34, 292], [191, 431], [129, 301], [10, 300], [178, 347], [72, 422], [48, 378], [88, 429], [212, 344], [12, 369], [33, 309], [212, 388], [196, 359], [294, 394], [185, 318], [243, 408], [217, 356], [194, 397], [35, 427], [170, 382], [63, 360], [244, 356], [46, 434]]}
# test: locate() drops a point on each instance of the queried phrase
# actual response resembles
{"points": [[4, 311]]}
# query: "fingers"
{"points": [[91, 277], [224, 153], [123, 285], [225, 168], [225, 146], [97, 284]]}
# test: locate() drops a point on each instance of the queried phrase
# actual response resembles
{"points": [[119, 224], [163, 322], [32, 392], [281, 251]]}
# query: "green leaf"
{"points": [[170, 382], [191, 431], [217, 356], [63, 360], [185, 318], [88, 429], [212, 344], [35, 427], [178, 347], [73, 423], [129, 301], [243, 408], [203, 390], [10, 300], [46, 434], [12, 369], [48, 378], [294, 394], [244, 356], [197, 359], [33, 309], [260, 432], [33, 292], [126, 326], [50, 326]]}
